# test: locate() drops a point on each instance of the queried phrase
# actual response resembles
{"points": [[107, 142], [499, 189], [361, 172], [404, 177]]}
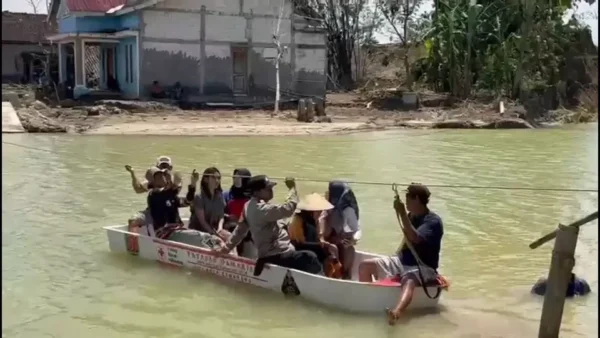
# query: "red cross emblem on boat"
{"points": [[161, 252]]}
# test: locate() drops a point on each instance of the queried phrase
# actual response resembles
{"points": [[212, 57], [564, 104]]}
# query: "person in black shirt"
{"points": [[141, 221], [164, 203]]}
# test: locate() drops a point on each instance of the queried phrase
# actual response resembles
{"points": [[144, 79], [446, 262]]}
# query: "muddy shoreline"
{"points": [[153, 118]]}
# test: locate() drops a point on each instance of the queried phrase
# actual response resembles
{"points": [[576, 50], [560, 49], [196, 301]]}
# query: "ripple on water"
{"points": [[59, 279]]}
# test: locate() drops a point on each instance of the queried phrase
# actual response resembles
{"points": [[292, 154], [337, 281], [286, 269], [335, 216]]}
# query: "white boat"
{"points": [[348, 295]]}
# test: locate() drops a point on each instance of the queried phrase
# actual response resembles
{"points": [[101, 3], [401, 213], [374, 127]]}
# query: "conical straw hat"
{"points": [[314, 202]]}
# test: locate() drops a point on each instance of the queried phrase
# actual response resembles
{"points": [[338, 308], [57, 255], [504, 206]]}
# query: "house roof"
{"points": [[25, 27], [93, 6]]}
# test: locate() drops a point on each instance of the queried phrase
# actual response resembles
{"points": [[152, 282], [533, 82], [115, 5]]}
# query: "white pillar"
{"points": [[83, 63], [77, 59]]}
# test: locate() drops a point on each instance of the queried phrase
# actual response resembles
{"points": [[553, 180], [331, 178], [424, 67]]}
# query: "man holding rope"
{"points": [[418, 258]]}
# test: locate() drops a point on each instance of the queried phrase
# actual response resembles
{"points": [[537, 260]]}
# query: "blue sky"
{"points": [[590, 12]]}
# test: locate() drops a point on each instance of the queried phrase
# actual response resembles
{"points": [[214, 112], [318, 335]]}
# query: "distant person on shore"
{"points": [[576, 287], [177, 91], [156, 91], [272, 241]]}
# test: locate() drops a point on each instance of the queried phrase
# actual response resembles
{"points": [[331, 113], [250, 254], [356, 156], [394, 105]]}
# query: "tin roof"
{"points": [[93, 6]]}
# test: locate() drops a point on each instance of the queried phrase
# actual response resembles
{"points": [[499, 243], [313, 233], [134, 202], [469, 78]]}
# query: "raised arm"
{"points": [[188, 199], [191, 192], [138, 187], [407, 228], [275, 212]]}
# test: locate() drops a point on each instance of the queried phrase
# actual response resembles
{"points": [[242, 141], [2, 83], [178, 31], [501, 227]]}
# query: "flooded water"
{"points": [[59, 279]]}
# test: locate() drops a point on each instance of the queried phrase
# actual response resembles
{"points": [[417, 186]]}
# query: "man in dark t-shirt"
{"points": [[424, 230], [430, 230], [164, 201]]}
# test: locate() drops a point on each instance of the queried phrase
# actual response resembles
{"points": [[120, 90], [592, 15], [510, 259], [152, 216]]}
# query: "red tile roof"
{"points": [[93, 5], [25, 27]]}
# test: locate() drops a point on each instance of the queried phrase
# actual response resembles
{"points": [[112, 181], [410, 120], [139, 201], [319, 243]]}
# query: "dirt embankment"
{"points": [[346, 113]]}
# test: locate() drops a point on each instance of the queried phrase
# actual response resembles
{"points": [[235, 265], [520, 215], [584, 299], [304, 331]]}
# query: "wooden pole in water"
{"points": [[561, 266], [591, 217]]}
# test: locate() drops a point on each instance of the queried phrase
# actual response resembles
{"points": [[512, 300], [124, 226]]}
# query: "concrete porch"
{"points": [[99, 65]]}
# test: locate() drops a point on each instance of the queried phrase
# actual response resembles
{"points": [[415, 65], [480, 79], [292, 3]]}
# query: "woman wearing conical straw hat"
{"points": [[306, 232]]}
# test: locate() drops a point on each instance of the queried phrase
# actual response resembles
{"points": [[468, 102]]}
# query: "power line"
{"points": [[318, 180]]}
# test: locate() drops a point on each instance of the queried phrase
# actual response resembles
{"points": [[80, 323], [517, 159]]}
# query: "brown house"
{"points": [[26, 53]]}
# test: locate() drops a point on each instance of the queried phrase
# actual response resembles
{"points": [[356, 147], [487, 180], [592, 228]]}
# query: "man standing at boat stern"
{"points": [[262, 218]]}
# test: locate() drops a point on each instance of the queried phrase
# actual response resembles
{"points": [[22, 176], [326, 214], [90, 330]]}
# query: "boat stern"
{"points": [[117, 238]]}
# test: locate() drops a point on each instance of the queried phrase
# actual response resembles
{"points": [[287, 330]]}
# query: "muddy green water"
{"points": [[59, 279]]}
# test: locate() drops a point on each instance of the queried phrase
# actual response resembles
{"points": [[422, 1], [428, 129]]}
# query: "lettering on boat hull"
{"points": [[234, 268], [133, 246], [173, 257], [223, 267], [169, 255], [288, 286]]}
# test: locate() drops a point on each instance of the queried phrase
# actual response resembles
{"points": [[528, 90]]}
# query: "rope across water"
{"points": [[320, 180]]}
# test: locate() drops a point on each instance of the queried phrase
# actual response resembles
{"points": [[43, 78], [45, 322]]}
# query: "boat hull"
{"points": [[346, 295]]}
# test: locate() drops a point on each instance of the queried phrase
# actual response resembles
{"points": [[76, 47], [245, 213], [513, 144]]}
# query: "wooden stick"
{"points": [[591, 217]]}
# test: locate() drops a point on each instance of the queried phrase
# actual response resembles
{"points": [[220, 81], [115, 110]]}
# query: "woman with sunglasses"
{"points": [[208, 208]]}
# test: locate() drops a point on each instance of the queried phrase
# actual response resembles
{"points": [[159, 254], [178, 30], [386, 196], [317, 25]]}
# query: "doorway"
{"points": [[240, 70], [110, 62], [109, 66]]}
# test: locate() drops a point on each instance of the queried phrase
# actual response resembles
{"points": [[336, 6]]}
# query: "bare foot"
{"points": [[393, 316]]}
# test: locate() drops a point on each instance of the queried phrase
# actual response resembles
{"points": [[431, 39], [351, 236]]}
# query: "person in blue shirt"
{"points": [[424, 230], [577, 287]]}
